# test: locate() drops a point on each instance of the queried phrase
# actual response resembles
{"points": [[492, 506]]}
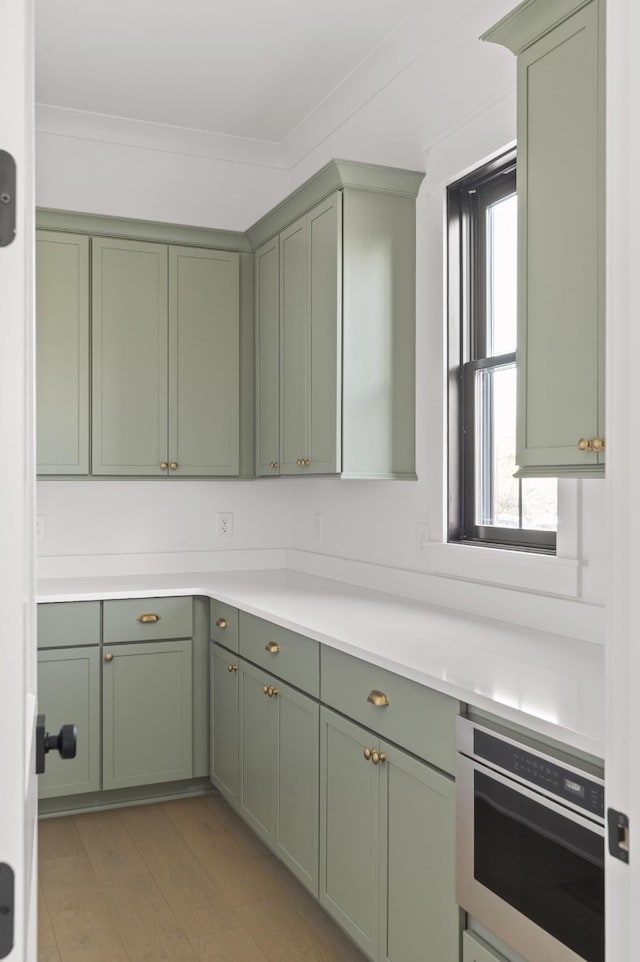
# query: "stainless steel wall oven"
{"points": [[530, 846]]}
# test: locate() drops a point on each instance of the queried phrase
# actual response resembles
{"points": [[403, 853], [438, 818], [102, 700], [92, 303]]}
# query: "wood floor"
{"points": [[183, 881]]}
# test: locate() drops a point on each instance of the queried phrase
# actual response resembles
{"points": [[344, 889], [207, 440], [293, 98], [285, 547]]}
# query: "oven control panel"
{"points": [[541, 771]]}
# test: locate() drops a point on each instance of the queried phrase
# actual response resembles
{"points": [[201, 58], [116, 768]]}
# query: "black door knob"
{"points": [[65, 742]]}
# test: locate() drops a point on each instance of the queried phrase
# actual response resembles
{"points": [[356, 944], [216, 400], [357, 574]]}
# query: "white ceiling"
{"points": [[240, 68]]}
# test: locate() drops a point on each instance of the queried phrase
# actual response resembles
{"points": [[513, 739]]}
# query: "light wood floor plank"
{"points": [[49, 954], [58, 838], [225, 815], [76, 870], [46, 937], [83, 925], [235, 945], [197, 903], [111, 850], [148, 926], [202, 827], [282, 933]]}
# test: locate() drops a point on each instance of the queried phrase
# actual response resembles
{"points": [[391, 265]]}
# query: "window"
{"points": [[487, 504]]}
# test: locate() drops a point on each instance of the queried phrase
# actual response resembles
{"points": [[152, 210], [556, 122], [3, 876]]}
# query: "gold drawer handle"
{"points": [[174, 465], [272, 692], [265, 689], [222, 623], [378, 698], [164, 465], [269, 690], [232, 667], [108, 657], [149, 618], [274, 465], [272, 647], [367, 754], [377, 757], [593, 444]]}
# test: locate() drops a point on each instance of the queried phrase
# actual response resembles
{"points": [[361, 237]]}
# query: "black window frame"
{"points": [[467, 202]]}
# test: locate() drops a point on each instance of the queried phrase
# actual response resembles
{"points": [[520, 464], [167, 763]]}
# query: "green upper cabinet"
{"points": [[165, 360], [204, 359], [346, 300], [62, 352], [130, 358], [560, 182], [267, 313]]}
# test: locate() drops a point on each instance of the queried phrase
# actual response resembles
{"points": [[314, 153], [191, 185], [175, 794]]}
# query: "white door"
{"points": [[623, 469], [17, 645]]}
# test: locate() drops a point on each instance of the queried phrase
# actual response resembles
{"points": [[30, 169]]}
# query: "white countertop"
{"points": [[549, 683]]}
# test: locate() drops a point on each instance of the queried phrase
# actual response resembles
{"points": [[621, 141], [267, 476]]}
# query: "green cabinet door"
{"points": [[267, 315], [310, 339], [420, 920], [69, 693], [146, 713], [561, 233], [257, 735], [350, 854], [204, 373], [129, 358], [62, 353], [294, 348], [224, 723]]}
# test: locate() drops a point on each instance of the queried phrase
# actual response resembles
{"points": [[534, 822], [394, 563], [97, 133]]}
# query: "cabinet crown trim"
{"points": [[335, 175], [530, 21]]}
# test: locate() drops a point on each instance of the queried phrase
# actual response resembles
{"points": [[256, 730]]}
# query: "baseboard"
{"points": [[123, 797]]}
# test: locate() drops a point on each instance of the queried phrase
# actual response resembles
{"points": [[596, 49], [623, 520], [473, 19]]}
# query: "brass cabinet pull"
{"points": [[299, 462], [274, 465], [378, 698], [272, 647], [593, 444], [377, 757], [274, 691], [222, 623], [174, 465], [232, 667], [164, 465], [265, 689], [367, 754], [149, 618], [306, 462], [270, 690], [108, 657]]}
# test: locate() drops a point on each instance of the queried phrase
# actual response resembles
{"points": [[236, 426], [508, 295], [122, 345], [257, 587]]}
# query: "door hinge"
{"points": [[7, 887], [7, 198], [618, 825]]}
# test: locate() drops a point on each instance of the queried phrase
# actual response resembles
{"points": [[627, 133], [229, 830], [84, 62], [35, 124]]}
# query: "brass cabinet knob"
{"points": [[272, 647], [593, 444], [274, 691], [108, 657], [164, 465], [597, 444], [274, 465], [306, 462], [367, 754], [583, 444], [174, 465], [377, 757], [377, 698], [149, 618], [265, 689], [299, 462], [232, 667], [222, 623]]}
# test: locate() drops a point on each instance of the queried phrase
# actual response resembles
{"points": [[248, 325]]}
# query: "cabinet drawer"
{"points": [[224, 624], [474, 949], [282, 652], [122, 622], [69, 624], [416, 718]]}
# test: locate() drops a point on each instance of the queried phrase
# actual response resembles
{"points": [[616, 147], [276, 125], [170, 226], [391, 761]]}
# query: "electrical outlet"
{"points": [[41, 531], [224, 525], [422, 540]]}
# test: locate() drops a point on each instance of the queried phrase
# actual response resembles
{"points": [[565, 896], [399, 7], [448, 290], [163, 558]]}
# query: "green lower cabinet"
{"points": [[69, 693], [279, 774], [147, 713], [223, 668], [387, 847]]}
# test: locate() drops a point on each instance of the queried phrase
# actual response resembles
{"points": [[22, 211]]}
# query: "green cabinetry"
{"points": [[69, 693], [387, 846], [337, 397], [165, 360], [223, 740], [278, 758], [62, 353], [475, 949], [560, 182]]}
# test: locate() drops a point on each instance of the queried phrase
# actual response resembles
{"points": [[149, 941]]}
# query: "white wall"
{"points": [[444, 103]]}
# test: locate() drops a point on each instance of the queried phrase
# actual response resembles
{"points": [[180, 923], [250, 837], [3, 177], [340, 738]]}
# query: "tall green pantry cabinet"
{"points": [[561, 234]]}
